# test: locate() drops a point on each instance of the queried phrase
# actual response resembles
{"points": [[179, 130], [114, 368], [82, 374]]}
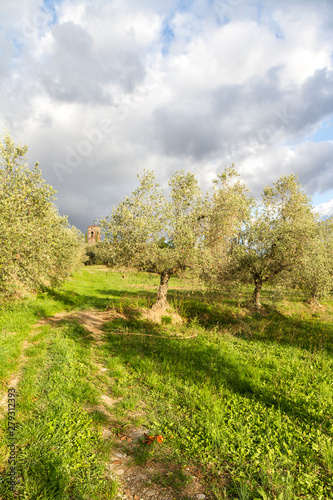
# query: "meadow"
{"points": [[243, 400]]}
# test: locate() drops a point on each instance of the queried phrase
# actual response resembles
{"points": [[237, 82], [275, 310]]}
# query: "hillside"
{"points": [[225, 403]]}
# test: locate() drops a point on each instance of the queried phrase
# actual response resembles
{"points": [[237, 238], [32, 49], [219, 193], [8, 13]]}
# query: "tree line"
{"points": [[225, 236]]}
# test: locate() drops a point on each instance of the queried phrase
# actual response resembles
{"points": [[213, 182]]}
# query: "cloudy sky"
{"points": [[101, 89]]}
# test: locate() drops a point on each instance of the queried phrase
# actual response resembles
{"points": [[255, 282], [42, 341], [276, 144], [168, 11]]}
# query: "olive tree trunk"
{"points": [[314, 297], [256, 294], [161, 302]]}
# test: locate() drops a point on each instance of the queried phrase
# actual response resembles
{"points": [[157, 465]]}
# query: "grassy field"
{"points": [[243, 398]]}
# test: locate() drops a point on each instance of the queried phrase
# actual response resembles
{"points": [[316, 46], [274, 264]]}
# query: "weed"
{"points": [[166, 320], [141, 455], [327, 452], [176, 479]]}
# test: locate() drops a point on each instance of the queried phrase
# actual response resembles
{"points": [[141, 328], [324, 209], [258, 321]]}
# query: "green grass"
{"points": [[248, 399], [59, 448], [17, 319]]}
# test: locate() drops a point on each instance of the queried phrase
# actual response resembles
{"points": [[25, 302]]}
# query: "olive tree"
{"points": [[315, 272], [275, 239], [98, 253], [226, 208], [37, 246], [153, 231]]}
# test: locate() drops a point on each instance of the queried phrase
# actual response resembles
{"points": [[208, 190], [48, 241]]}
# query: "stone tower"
{"points": [[94, 234]]}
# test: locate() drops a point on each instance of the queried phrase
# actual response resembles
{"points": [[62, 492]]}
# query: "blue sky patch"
{"points": [[325, 133], [184, 5], [167, 35], [319, 198], [50, 6]]}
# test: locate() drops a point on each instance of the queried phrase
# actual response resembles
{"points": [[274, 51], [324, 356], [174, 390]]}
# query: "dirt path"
{"points": [[16, 377], [151, 481], [92, 320]]}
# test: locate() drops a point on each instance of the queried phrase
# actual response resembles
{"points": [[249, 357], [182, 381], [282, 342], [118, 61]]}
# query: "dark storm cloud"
{"points": [[185, 132], [68, 74], [314, 162], [311, 161], [314, 102], [75, 72]]}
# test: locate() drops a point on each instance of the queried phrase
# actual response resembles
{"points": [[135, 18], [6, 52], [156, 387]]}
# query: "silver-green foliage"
{"points": [[37, 245], [150, 230], [226, 211], [99, 253], [276, 239], [315, 272], [136, 224]]}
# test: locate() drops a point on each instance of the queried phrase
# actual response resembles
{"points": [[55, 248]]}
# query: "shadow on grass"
{"points": [[307, 333], [199, 363], [76, 300], [216, 310], [212, 310]]}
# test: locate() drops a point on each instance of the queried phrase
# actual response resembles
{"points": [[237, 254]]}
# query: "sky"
{"points": [[100, 90]]}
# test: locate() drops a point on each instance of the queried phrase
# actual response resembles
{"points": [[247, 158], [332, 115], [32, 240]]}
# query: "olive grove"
{"points": [[314, 274], [224, 235]]}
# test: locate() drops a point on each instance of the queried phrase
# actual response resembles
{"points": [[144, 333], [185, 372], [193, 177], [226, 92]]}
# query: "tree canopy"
{"points": [[226, 236], [153, 231], [275, 239], [37, 245]]}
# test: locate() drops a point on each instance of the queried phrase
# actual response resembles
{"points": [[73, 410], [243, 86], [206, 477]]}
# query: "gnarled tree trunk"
{"points": [[314, 297], [161, 302], [256, 294]]}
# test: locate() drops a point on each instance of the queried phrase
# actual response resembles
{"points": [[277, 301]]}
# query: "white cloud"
{"points": [[178, 88], [325, 209]]}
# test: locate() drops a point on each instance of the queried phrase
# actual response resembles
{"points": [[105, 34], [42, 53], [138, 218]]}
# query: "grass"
{"points": [[177, 478], [247, 400], [58, 445]]}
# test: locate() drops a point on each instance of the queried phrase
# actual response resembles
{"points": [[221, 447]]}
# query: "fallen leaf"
{"points": [[122, 437], [150, 439]]}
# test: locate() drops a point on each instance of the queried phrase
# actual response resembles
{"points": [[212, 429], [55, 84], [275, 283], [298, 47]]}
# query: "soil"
{"points": [[92, 320], [156, 315], [153, 480]]}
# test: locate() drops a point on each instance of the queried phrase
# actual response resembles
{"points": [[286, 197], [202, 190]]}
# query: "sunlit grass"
{"points": [[248, 397]]}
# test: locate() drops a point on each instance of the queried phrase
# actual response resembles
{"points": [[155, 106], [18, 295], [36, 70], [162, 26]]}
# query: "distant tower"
{"points": [[94, 234]]}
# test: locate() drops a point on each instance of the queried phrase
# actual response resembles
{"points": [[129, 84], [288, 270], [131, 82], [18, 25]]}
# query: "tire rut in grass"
{"points": [[16, 377], [152, 480]]}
